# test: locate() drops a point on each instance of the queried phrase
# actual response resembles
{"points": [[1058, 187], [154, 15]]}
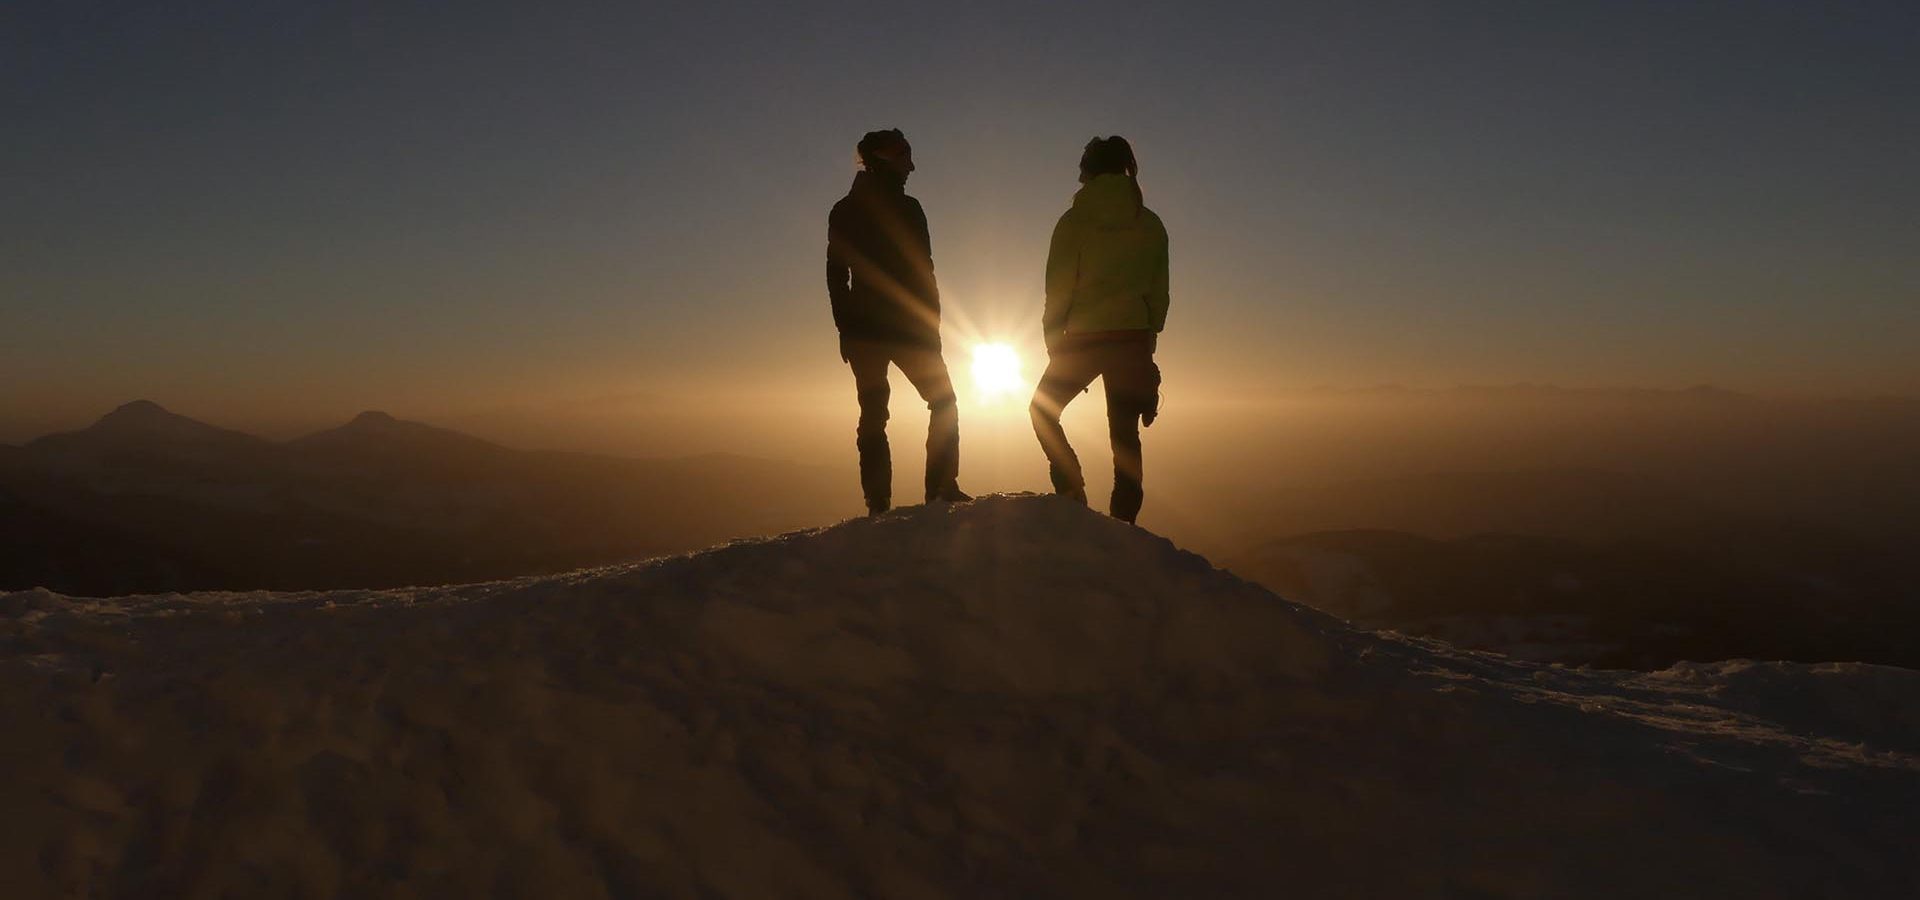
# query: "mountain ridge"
{"points": [[145, 425], [376, 502]]}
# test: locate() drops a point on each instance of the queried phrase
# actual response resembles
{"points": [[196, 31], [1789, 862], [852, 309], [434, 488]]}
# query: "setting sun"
{"points": [[996, 371]]}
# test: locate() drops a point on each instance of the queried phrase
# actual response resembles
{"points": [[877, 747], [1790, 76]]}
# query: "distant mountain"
{"points": [[143, 424], [375, 432], [142, 433], [378, 501]]}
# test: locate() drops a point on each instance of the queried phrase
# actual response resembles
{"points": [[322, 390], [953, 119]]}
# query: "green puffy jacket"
{"points": [[1107, 267]]}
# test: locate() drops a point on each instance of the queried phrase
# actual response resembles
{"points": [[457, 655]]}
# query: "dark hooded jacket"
{"points": [[880, 265]]}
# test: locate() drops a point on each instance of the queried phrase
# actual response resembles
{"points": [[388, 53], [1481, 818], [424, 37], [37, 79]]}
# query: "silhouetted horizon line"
{"points": [[1520, 390]]}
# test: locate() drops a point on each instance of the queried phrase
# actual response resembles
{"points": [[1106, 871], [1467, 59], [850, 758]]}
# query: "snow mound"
{"points": [[1010, 697]]}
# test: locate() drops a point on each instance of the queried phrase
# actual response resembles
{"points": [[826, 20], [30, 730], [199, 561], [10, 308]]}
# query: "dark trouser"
{"points": [[927, 371], [1133, 388]]}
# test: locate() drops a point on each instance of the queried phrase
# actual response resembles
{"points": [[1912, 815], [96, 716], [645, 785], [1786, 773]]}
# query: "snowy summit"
{"points": [[1013, 697]]}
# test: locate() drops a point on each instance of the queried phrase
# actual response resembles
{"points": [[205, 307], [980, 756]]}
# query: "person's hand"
{"points": [[1153, 342], [1053, 340]]}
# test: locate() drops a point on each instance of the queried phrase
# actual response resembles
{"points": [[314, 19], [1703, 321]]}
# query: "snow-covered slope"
{"points": [[1009, 698]]}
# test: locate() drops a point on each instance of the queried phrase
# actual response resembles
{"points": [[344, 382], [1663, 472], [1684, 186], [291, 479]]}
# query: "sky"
{"points": [[273, 215]]}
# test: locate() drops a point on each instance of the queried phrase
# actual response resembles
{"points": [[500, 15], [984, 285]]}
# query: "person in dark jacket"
{"points": [[1106, 304], [887, 308]]}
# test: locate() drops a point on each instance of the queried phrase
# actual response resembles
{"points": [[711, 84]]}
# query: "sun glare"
{"points": [[996, 371]]}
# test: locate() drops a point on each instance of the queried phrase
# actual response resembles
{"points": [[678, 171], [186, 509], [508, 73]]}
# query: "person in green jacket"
{"points": [[1106, 304]]}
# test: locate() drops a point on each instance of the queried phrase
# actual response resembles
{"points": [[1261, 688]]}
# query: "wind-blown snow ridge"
{"points": [[1011, 697]]}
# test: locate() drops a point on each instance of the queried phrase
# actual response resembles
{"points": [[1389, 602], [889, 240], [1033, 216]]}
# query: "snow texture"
{"points": [[1013, 697]]}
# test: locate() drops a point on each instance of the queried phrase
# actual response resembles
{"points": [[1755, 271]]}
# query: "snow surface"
{"points": [[1013, 697]]}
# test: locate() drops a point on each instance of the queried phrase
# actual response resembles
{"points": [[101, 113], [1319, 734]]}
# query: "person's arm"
{"points": [[929, 288], [839, 274], [1158, 298], [1063, 267]]}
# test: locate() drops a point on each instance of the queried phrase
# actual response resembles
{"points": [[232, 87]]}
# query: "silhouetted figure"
{"points": [[1106, 303], [887, 307]]}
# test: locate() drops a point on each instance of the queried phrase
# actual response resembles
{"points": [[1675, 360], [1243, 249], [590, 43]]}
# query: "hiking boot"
{"points": [[1077, 494], [876, 507], [949, 494]]}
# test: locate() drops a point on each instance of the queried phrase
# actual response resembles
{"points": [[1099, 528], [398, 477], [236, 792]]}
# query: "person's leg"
{"points": [[927, 371], [1133, 385], [1066, 376], [869, 363]]}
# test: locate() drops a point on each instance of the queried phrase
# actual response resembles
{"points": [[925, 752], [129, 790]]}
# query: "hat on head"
{"points": [[884, 144]]}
